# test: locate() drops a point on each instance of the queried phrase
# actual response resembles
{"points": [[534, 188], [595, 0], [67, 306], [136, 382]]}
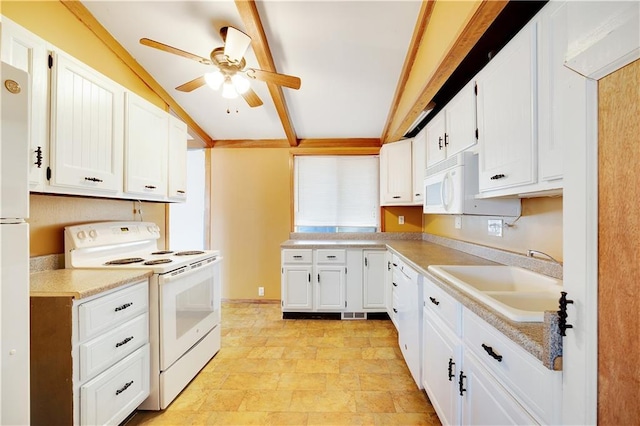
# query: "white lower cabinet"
{"points": [[374, 285], [474, 374], [330, 287]]}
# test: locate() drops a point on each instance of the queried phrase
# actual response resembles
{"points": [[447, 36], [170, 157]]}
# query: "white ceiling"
{"points": [[348, 54]]}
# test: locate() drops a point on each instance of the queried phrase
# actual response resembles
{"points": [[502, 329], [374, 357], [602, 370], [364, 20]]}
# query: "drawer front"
{"points": [[296, 256], [536, 387], [331, 256], [394, 309], [107, 349], [114, 394], [443, 305], [115, 308]]}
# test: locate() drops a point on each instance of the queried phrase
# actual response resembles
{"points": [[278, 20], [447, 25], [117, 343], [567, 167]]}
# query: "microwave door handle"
{"points": [[442, 191], [446, 191]]}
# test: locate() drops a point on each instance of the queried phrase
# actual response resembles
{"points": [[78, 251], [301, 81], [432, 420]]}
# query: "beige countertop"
{"points": [[539, 339], [81, 283]]}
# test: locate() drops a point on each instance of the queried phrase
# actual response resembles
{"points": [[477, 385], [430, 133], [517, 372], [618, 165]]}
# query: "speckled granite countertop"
{"points": [[81, 283], [539, 339]]}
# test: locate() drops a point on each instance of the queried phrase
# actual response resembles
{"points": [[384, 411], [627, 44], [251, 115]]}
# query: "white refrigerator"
{"points": [[14, 246]]}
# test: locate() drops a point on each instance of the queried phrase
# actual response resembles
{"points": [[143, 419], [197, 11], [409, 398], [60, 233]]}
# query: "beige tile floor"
{"points": [[272, 371]]}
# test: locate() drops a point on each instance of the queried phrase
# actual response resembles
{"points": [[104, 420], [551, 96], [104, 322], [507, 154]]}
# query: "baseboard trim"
{"points": [[258, 301]]}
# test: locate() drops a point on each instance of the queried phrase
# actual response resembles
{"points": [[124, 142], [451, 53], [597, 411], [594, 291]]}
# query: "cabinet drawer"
{"points": [[330, 256], [296, 256], [534, 386], [443, 305], [394, 309], [114, 394], [108, 311], [105, 350]]}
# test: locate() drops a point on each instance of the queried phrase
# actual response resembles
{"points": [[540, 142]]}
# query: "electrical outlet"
{"points": [[458, 222], [260, 291], [494, 227], [400, 220]]}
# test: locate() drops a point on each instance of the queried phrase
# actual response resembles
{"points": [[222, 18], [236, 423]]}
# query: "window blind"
{"points": [[336, 191]]}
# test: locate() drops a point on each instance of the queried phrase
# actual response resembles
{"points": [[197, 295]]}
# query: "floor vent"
{"points": [[354, 315]]}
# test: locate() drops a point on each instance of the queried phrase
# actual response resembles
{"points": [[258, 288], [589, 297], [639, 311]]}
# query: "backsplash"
{"points": [[47, 262]]}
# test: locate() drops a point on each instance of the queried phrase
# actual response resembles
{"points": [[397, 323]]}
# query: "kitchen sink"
{"points": [[519, 294]]}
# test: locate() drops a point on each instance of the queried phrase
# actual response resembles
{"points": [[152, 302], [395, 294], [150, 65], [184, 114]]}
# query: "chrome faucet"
{"points": [[531, 253]]}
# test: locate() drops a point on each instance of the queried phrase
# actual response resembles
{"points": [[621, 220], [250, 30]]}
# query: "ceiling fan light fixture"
{"points": [[228, 91], [236, 44], [240, 83], [214, 79]]}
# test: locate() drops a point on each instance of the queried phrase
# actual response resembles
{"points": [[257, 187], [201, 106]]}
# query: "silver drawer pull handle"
{"points": [[124, 388], [124, 342], [121, 307]]}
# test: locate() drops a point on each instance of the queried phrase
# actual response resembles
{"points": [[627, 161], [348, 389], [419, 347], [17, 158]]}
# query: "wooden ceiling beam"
{"points": [[253, 26], [83, 14], [483, 17], [304, 144]]}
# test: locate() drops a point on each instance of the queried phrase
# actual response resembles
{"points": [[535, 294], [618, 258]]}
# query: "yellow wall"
{"points": [[50, 214], [447, 20], [412, 219], [539, 228], [250, 217]]}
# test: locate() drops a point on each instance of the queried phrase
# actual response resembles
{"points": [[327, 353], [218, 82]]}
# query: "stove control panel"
{"points": [[109, 233]]}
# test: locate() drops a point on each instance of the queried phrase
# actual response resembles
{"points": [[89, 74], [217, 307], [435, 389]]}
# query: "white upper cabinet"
{"points": [[418, 165], [395, 173], [146, 148], [177, 159], [506, 114], [28, 52], [86, 129], [454, 128]]}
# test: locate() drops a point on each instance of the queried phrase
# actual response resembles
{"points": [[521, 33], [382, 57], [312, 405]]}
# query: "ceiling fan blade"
{"points": [[192, 85], [273, 77], [236, 44], [174, 50], [252, 98]]}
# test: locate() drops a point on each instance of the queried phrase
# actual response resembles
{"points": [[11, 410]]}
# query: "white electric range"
{"points": [[184, 297]]}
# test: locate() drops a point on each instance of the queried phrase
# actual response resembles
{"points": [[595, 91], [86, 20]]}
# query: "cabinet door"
{"points": [[395, 173], [146, 148], [86, 128], [441, 362], [330, 289], [435, 139], [296, 287], [506, 115], [28, 52], [460, 117], [177, 159], [410, 323], [374, 289], [484, 400], [419, 162]]}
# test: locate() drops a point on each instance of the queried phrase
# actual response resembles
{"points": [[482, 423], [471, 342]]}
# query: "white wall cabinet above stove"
{"points": [[146, 148], [28, 52], [402, 167]]}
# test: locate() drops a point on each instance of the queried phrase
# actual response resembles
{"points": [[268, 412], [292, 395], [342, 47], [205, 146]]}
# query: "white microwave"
{"points": [[450, 187]]}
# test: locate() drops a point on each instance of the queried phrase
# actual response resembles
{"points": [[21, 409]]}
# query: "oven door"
{"points": [[188, 308]]}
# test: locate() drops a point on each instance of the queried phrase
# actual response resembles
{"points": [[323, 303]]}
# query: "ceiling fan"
{"points": [[230, 74]]}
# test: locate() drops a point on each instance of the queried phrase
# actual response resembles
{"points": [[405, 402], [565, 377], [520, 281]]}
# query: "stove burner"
{"points": [[189, 253], [157, 261], [125, 261], [162, 252]]}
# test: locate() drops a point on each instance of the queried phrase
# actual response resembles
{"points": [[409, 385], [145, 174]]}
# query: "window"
{"points": [[336, 193]]}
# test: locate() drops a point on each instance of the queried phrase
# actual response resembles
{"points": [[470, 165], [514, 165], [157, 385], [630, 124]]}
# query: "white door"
{"points": [[296, 287], [186, 220], [146, 148], [395, 173], [28, 52], [461, 120], [419, 164], [506, 115], [177, 159], [374, 289], [435, 139], [86, 128], [330, 288]]}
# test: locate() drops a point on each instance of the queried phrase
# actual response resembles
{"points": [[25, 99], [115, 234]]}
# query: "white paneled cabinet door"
{"points": [[177, 159], [435, 139], [296, 288], [484, 400], [330, 288], [419, 164], [461, 121], [146, 148], [374, 285], [506, 115], [441, 363], [86, 128], [395, 173], [28, 52]]}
